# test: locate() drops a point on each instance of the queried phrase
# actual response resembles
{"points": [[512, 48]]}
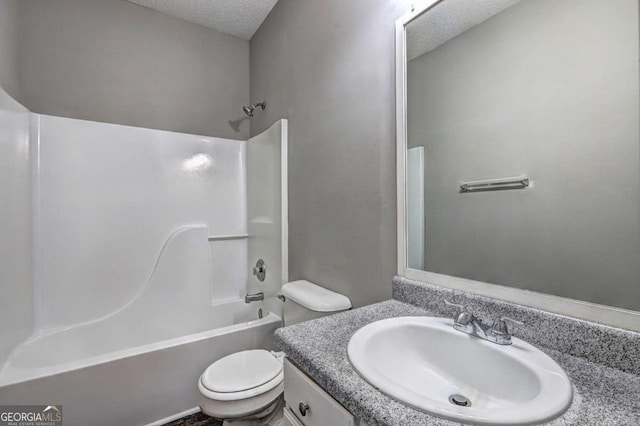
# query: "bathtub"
{"points": [[101, 376]]}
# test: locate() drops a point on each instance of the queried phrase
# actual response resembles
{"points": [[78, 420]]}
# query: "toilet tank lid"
{"points": [[314, 297]]}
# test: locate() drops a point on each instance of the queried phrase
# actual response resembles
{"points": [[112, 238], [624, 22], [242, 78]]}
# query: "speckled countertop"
{"points": [[602, 395]]}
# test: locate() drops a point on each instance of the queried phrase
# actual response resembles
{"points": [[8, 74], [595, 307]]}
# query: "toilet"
{"points": [[245, 388]]}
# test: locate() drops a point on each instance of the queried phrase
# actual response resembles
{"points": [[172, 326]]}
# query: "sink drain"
{"points": [[459, 400]]}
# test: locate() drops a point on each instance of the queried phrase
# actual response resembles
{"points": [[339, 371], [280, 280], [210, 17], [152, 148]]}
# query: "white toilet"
{"points": [[245, 388]]}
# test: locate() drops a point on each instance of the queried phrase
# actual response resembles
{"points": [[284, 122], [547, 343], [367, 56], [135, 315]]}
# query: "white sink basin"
{"points": [[423, 362]]}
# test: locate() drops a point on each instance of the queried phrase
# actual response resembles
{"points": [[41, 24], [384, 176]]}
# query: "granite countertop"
{"points": [[602, 395]]}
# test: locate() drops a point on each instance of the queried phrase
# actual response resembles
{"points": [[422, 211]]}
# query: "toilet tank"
{"points": [[304, 300]]}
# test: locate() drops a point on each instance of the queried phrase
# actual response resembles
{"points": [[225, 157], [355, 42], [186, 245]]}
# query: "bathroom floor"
{"points": [[199, 419]]}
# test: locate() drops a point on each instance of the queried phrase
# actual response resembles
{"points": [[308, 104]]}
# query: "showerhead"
{"points": [[248, 110]]}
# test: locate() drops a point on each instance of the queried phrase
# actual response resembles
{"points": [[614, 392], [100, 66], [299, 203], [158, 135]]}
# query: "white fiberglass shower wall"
{"points": [[108, 199], [16, 290], [128, 264]]}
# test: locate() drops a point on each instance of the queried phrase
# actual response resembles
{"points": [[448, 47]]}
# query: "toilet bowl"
{"points": [[242, 386], [245, 388]]}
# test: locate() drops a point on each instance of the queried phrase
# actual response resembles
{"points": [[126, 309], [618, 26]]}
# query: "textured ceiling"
{"points": [[447, 20], [240, 18]]}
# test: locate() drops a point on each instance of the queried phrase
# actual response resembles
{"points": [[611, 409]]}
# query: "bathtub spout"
{"points": [[253, 297]]}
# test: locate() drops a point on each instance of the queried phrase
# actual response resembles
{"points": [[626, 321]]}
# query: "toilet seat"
{"points": [[235, 396], [242, 375]]}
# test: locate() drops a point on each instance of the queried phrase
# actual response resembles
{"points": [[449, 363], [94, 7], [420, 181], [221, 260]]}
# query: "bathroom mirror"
{"points": [[519, 152]]}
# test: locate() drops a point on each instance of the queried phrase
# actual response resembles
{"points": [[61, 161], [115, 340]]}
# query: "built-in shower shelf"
{"points": [[228, 237]]}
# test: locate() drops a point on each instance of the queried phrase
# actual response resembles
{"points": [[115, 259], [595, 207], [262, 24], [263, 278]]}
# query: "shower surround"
{"points": [[129, 295]]}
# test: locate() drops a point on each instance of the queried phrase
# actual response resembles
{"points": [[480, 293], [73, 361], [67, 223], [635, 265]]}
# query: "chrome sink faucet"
{"points": [[466, 322]]}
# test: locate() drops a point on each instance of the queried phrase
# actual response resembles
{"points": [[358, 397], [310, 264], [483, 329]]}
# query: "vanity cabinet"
{"points": [[308, 405]]}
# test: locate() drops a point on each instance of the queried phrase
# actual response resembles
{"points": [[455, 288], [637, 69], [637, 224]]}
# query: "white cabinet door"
{"points": [[311, 405]]}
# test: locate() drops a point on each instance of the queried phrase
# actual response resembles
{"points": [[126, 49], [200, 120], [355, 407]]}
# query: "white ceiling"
{"points": [[447, 20], [240, 18]]}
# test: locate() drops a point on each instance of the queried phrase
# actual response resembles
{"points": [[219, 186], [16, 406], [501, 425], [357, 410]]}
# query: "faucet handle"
{"points": [[500, 325], [464, 317], [455, 305]]}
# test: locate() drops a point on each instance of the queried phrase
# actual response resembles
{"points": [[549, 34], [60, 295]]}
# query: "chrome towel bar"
{"points": [[228, 237], [495, 184]]}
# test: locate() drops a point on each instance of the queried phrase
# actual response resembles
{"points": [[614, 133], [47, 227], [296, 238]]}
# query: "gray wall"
{"points": [[328, 66], [10, 46], [547, 89], [116, 62]]}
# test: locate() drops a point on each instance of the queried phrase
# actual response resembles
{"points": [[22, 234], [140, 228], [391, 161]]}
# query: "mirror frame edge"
{"points": [[603, 314]]}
